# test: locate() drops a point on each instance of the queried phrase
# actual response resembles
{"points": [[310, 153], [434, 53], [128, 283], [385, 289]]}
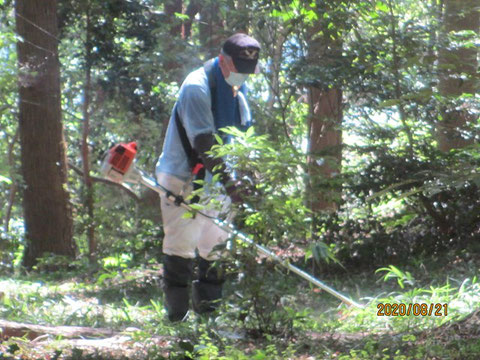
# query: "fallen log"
{"points": [[30, 331], [39, 341]]}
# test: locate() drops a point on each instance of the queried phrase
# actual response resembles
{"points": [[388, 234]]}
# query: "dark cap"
{"points": [[244, 51]]}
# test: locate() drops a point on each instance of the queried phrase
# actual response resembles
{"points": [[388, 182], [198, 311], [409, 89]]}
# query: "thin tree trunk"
{"points": [[47, 210], [211, 29], [242, 15], [88, 183], [193, 8], [398, 80], [173, 66], [11, 200], [174, 42], [277, 39], [172, 7], [13, 186]]}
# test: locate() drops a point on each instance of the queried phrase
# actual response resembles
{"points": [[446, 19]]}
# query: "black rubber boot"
{"points": [[207, 290], [177, 273]]}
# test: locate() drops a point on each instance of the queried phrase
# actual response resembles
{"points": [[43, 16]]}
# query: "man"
{"points": [[210, 98]]}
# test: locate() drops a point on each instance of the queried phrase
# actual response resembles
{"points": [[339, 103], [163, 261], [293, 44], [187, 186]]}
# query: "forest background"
{"points": [[364, 158]]}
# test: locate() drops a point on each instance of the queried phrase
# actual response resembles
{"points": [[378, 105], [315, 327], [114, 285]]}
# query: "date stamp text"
{"points": [[415, 309]]}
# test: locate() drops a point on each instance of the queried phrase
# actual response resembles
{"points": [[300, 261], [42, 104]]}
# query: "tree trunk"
{"points": [[325, 148], [87, 180], [211, 29], [174, 41], [276, 37], [47, 211], [14, 185], [192, 10], [458, 74], [325, 135], [172, 7], [175, 45]]}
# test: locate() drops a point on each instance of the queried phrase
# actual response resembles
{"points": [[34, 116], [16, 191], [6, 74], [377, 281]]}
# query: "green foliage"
{"points": [[274, 216], [276, 211], [393, 272]]}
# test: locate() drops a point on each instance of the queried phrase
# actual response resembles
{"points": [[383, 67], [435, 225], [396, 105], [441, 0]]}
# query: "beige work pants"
{"points": [[185, 235]]}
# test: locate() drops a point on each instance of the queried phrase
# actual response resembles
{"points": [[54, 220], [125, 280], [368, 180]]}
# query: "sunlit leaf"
{"points": [[5, 180]]}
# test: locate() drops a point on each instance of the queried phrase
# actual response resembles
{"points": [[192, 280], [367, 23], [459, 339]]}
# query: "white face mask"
{"points": [[236, 79]]}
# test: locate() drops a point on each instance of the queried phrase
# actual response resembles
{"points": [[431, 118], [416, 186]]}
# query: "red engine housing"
{"points": [[122, 156]]}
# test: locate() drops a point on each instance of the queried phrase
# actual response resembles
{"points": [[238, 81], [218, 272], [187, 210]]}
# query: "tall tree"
{"points": [[210, 27], [174, 42], [458, 66], [325, 101], [47, 211], [89, 189], [176, 34], [211, 31]]}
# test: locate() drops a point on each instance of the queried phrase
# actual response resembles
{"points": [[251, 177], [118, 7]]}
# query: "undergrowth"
{"points": [[130, 301]]}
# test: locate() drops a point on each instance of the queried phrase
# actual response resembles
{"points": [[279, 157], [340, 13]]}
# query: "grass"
{"points": [[319, 327]]}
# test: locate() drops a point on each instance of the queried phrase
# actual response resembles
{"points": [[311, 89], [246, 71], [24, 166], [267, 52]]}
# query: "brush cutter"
{"points": [[119, 166]]}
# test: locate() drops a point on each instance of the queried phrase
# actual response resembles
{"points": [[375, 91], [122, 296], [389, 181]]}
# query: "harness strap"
{"points": [[192, 156], [194, 160]]}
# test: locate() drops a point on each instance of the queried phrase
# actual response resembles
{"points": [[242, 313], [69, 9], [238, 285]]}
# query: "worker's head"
{"points": [[238, 58]]}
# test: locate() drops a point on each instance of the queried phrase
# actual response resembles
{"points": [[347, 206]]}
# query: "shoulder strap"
{"points": [[208, 67], [192, 155], [193, 158], [212, 83]]}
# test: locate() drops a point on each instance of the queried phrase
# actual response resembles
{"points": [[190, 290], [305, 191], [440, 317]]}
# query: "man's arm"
{"points": [[202, 144], [196, 114]]}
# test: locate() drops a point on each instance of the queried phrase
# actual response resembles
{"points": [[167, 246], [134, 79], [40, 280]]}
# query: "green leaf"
{"points": [[106, 276], [250, 132], [285, 15], [380, 6], [310, 15], [277, 13], [182, 16], [219, 139], [197, 206], [393, 272], [5, 180], [187, 215]]}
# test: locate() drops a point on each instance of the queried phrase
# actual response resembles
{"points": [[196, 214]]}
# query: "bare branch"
{"points": [[105, 181]]}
